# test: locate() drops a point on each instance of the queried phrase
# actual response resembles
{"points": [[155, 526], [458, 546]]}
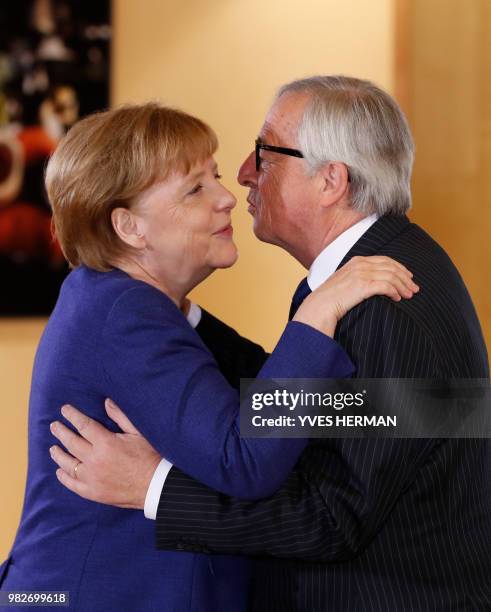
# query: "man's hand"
{"points": [[105, 467]]}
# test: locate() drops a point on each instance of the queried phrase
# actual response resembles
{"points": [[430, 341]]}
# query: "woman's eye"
{"points": [[196, 189], [199, 186]]}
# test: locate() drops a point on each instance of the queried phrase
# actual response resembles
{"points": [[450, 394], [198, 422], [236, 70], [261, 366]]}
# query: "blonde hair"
{"points": [[108, 159], [355, 122]]}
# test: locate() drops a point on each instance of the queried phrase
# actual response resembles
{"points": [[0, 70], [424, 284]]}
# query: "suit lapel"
{"points": [[380, 233]]}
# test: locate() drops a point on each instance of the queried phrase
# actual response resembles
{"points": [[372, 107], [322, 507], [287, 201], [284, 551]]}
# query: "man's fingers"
{"points": [[90, 429], [76, 445], [118, 416], [72, 483], [65, 460]]}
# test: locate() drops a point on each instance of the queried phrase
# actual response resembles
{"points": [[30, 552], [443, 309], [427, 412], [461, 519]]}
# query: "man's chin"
{"points": [[261, 232]]}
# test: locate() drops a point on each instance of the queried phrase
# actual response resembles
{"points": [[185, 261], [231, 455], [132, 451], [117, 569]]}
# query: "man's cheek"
{"points": [[269, 193]]}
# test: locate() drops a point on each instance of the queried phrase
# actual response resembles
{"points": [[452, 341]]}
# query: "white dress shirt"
{"points": [[328, 260], [324, 266]]}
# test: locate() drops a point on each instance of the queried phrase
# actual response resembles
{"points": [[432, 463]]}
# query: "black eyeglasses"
{"points": [[283, 150]]}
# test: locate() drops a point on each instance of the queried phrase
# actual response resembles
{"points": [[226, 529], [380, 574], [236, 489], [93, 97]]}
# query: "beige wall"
{"points": [[219, 59], [448, 100], [18, 340]]}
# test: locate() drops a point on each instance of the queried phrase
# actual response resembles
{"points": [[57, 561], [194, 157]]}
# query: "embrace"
{"points": [[159, 504]]}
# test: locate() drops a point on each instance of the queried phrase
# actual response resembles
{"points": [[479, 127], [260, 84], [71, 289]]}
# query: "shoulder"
{"points": [[379, 316], [425, 257], [443, 301], [384, 339], [141, 300], [92, 286], [115, 291]]}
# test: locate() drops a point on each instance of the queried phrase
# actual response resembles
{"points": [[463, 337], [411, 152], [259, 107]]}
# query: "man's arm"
{"points": [[236, 356], [341, 491], [314, 516]]}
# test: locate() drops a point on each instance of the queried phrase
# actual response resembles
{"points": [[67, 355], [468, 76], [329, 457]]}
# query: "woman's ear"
{"points": [[126, 226], [334, 182]]}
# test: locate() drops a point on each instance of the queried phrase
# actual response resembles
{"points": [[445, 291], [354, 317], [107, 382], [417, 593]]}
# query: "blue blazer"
{"points": [[112, 336]]}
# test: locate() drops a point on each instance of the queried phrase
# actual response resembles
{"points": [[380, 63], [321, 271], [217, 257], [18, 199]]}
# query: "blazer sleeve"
{"points": [[236, 356], [159, 371], [334, 501]]}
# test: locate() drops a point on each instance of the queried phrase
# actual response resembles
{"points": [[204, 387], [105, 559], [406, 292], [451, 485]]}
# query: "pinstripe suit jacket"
{"points": [[376, 525]]}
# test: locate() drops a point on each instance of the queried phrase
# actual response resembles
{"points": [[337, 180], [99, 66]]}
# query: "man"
{"points": [[379, 525]]}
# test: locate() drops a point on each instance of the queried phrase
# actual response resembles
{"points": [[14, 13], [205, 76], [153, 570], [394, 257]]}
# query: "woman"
{"points": [[142, 217]]}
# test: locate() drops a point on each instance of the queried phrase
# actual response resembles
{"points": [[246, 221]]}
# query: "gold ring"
{"points": [[76, 468]]}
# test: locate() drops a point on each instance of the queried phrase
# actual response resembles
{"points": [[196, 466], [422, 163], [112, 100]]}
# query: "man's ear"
{"points": [[334, 181], [126, 226]]}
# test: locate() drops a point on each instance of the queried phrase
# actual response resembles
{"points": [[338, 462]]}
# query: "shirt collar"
{"points": [[328, 260]]}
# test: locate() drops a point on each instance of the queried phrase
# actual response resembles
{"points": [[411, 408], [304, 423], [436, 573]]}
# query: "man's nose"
{"points": [[247, 176]]}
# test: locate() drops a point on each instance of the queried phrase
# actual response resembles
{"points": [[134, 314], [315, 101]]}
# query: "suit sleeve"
{"points": [[159, 371], [236, 356], [337, 497]]}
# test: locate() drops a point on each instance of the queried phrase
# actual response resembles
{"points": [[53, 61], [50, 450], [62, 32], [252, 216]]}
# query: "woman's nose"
{"points": [[227, 200]]}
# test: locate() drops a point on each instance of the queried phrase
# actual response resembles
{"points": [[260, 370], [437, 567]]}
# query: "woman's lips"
{"points": [[227, 232]]}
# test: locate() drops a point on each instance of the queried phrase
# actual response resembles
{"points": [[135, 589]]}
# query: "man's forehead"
{"points": [[268, 133], [283, 118]]}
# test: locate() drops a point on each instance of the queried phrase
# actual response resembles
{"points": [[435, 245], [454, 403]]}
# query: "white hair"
{"points": [[353, 121]]}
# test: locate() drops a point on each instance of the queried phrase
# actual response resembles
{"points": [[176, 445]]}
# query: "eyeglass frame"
{"points": [[265, 147], [284, 151]]}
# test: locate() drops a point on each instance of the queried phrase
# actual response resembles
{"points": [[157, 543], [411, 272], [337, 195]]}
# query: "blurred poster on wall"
{"points": [[54, 69]]}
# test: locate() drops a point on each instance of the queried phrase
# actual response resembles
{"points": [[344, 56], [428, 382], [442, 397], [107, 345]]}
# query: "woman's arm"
{"points": [[169, 385]]}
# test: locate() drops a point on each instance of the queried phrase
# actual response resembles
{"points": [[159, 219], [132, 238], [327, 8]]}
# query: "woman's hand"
{"points": [[359, 279]]}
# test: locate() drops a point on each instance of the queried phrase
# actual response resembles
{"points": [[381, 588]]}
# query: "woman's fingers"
{"points": [[384, 268], [359, 279], [382, 260], [393, 283], [400, 274], [384, 287]]}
